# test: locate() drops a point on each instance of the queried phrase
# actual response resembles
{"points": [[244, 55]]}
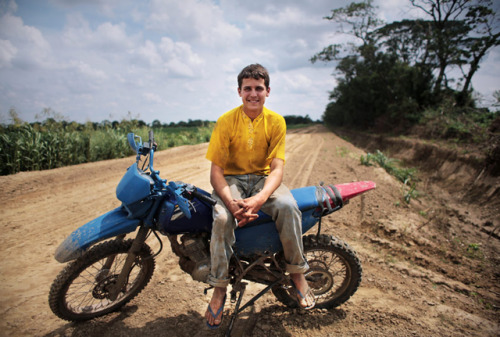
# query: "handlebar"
{"points": [[151, 137], [204, 198], [180, 192], [191, 192]]}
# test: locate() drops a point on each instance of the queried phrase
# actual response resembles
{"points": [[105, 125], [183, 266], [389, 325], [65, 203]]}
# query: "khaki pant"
{"points": [[282, 208]]}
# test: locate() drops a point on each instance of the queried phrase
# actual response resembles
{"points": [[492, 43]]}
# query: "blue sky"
{"points": [[91, 60]]}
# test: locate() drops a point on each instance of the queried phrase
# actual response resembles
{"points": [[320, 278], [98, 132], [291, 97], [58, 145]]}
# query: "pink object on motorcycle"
{"points": [[349, 190]]}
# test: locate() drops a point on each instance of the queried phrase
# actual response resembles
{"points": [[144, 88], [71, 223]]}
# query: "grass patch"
{"points": [[342, 151], [298, 126], [408, 176]]}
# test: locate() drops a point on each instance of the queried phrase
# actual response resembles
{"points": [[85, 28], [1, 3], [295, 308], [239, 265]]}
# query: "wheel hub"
{"points": [[101, 290], [319, 278]]}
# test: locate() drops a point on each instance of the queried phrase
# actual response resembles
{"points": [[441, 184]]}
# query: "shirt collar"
{"points": [[258, 118]]}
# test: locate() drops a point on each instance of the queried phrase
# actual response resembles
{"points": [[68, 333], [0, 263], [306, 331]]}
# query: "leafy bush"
{"points": [[465, 125]]}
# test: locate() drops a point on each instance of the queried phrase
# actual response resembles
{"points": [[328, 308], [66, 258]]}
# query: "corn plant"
{"points": [[25, 147]]}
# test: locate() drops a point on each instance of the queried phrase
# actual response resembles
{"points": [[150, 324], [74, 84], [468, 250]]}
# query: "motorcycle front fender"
{"points": [[106, 226]]}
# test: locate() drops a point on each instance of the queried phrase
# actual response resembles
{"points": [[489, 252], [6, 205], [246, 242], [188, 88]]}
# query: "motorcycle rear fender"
{"points": [[104, 227]]}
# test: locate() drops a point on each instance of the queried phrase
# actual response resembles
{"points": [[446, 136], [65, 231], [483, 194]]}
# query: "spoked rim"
{"points": [[329, 274], [89, 291]]}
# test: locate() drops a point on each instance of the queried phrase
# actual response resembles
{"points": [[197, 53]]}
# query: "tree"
{"points": [[462, 33], [408, 39], [484, 21], [156, 124], [391, 73], [372, 80], [362, 20]]}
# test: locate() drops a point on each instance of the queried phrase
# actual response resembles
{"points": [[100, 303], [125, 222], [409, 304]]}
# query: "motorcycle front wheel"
{"points": [[334, 273], [81, 291]]}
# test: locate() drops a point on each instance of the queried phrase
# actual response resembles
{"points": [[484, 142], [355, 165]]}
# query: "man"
{"points": [[247, 151]]}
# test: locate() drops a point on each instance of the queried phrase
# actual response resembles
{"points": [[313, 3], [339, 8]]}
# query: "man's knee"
{"points": [[221, 216], [286, 203]]}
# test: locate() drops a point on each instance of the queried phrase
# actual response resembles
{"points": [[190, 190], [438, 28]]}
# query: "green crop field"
{"points": [[28, 147]]}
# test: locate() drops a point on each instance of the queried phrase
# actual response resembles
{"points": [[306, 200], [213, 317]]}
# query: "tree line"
{"points": [[393, 74]]}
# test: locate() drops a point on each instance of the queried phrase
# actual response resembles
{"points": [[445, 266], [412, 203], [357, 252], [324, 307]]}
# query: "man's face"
{"points": [[253, 93]]}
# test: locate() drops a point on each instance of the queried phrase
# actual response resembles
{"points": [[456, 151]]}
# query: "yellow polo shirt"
{"points": [[242, 146]]}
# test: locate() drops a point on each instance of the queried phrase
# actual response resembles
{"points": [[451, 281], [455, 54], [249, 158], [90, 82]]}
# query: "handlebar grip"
{"points": [[204, 198], [151, 137]]}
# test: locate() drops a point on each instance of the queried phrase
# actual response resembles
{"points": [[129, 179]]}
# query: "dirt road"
{"points": [[429, 269]]}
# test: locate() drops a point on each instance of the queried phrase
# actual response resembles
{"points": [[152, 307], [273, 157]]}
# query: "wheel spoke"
{"points": [[330, 272], [81, 291]]}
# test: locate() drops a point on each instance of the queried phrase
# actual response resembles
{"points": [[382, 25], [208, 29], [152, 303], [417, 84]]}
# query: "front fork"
{"points": [[134, 250]]}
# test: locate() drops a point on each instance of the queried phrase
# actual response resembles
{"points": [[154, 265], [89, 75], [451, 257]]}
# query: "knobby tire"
{"points": [[69, 297], [334, 275]]}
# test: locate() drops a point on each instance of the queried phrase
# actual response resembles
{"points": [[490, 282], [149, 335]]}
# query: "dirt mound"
{"points": [[430, 267], [461, 172]]}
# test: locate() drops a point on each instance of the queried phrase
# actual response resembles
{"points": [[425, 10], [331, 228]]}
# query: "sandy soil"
{"points": [[430, 267]]}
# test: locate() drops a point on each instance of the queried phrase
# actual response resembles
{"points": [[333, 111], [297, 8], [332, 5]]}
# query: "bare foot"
{"points": [[304, 294], [214, 318]]}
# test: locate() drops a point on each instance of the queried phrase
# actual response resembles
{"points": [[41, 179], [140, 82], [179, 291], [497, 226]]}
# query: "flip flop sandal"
{"points": [[302, 297], [220, 311], [308, 293]]}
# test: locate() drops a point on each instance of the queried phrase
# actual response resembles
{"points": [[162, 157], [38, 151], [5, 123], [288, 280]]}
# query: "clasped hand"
{"points": [[245, 210]]}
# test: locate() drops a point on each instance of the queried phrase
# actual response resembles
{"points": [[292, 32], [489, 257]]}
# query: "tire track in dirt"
{"points": [[302, 175], [39, 209]]}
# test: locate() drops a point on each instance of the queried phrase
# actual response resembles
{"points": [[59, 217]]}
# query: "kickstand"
{"points": [[236, 309]]}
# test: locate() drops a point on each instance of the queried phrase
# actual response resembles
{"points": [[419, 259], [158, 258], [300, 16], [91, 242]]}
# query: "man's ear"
{"points": [[239, 91], [268, 91]]}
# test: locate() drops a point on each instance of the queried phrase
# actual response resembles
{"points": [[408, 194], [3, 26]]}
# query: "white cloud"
{"points": [[77, 32], [169, 60], [7, 53], [24, 45], [152, 97], [88, 71], [148, 54], [192, 20], [282, 18], [179, 58], [297, 82], [170, 57], [112, 36], [107, 36]]}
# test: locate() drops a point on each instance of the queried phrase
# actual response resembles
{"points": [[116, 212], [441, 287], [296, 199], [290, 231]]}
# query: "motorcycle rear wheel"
{"points": [[334, 274], [80, 292]]}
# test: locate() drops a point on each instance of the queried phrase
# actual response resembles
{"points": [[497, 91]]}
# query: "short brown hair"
{"points": [[255, 71]]}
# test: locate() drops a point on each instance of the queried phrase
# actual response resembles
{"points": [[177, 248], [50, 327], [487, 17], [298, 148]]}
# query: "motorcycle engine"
{"points": [[196, 256]]}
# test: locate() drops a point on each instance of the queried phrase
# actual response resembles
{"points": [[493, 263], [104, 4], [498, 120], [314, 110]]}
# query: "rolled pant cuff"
{"points": [[217, 283], [294, 269]]}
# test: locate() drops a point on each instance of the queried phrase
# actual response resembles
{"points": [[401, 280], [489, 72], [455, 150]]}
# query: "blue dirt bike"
{"points": [[103, 277]]}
